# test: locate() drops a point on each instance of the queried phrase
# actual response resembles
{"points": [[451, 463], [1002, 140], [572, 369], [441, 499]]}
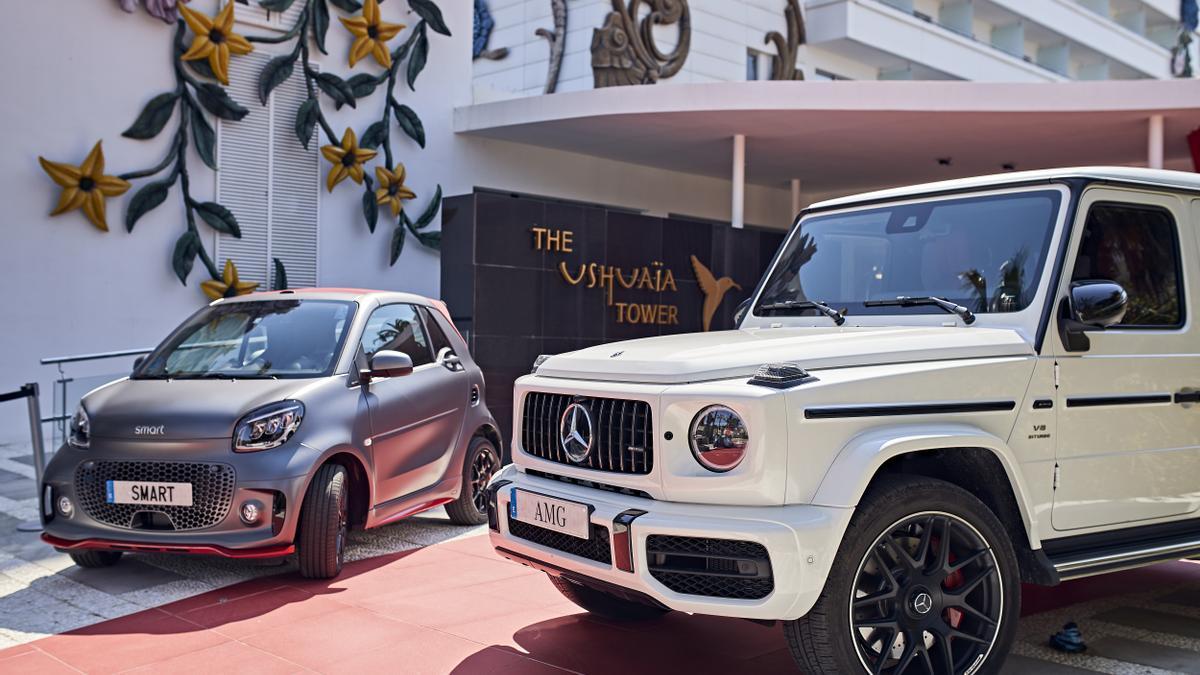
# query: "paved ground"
{"points": [[424, 596], [454, 607]]}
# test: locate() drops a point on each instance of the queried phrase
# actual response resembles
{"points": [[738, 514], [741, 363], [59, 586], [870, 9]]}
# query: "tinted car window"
{"points": [[983, 252], [278, 338], [436, 336], [1137, 247], [397, 328]]}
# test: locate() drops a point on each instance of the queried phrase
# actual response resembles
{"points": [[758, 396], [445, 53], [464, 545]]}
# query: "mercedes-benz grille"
{"points": [[618, 433], [212, 493]]}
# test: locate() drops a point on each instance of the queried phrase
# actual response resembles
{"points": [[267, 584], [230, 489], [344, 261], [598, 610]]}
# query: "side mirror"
{"points": [[1098, 304], [390, 364], [740, 313], [1092, 306], [137, 363]]}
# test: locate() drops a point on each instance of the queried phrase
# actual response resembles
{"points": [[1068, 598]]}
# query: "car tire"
{"points": [[924, 567], [481, 462], [321, 537], [605, 604], [95, 559]]}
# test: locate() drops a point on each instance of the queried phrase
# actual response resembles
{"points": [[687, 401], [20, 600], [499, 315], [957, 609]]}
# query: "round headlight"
{"points": [[718, 438]]}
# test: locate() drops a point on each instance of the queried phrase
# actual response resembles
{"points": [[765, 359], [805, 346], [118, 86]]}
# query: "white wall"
{"points": [[78, 71], [72, 289]]}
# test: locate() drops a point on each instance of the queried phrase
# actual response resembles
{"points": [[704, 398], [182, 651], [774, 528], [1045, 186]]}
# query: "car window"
{"points": [[253, 339], [437, 337], [984, 252], [397, 328], [1138, 248]]}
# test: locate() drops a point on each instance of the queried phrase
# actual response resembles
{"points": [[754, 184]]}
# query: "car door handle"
{"points": [[1187, 397]]}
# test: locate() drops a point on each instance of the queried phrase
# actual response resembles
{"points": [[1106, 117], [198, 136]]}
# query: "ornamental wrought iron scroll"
{"points": [[783, 64], [624, 51]]}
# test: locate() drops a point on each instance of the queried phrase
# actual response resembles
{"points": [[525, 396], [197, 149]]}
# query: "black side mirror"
{"points": [[137, 363], [1091, 306], [740, 313], [390, 364]]}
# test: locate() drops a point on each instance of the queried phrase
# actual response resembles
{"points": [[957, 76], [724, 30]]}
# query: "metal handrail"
{"points": [[94, 357]]}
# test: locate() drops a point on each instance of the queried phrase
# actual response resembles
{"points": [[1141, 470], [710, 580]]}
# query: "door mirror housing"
{"points": [[1098, 304], [389, 363], [137, 363], [1092, 306]]}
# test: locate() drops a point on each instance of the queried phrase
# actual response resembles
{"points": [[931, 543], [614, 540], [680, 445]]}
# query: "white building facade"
{"points": [[707, 141]]}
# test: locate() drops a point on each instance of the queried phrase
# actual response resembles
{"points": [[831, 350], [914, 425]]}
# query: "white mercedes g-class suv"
{"points": [[934, 394]]}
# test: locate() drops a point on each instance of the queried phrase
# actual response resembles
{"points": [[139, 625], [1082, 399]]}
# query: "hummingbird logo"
{"points": [[714, 289]]}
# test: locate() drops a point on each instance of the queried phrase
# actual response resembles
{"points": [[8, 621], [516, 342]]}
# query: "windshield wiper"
{"points": [[963, 313], [206, 376], [821, 307]]}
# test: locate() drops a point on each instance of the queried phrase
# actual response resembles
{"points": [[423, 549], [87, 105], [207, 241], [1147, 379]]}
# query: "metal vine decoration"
{"points": [[783, 63], [624, 51], [558, 43], [349, 152], [198, 68]]}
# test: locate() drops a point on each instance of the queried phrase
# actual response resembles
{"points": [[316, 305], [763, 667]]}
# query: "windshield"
{"points": [[270, 339], [985, 253]]}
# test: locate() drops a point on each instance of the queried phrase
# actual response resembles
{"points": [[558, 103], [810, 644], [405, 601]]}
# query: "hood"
{"points": [[698, 357], [180, 409]]}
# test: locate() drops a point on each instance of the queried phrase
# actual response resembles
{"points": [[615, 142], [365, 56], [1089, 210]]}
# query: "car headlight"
{"points": [[80, 435], [718, 438], [268, 427]]}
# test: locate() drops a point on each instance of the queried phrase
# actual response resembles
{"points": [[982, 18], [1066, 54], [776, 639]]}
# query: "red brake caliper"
{"points": [[954, 615]]}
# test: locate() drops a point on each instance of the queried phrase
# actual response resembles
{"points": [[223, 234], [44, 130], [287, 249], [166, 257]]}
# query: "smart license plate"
{"points": [[571, 518], [143, 492]]}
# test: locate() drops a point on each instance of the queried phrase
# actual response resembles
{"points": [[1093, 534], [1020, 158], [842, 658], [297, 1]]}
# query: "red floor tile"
{"points": [[147, 637], [34, 662], [416, 652], [323, 640], [254, 614], [231, 657]]}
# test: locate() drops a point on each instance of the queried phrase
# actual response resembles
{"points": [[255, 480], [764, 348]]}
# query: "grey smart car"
{"points": [[268, 424]]}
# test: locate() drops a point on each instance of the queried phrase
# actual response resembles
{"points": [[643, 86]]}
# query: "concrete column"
{"points": [[738, 217], [1154, 149], [797, 203]]}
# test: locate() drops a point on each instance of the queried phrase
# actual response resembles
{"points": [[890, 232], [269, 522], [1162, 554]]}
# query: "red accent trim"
{"points": [[200, 549], [413, 511]]}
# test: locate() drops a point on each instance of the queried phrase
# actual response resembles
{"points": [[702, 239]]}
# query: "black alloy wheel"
{"points": [[485, 465], [481, 462], [927, 598]]}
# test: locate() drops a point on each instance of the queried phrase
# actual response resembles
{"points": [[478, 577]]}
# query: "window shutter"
{"points": [[268, 180]]}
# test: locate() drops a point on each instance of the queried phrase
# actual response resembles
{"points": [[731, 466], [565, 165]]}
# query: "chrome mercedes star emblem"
{"points": [[922, 603], [575, 432]]}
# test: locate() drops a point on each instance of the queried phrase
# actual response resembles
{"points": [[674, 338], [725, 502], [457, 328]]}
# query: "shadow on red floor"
{"points": [[449, 608]]}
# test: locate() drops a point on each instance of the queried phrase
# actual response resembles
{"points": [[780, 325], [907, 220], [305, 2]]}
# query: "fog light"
{"points": [[251, 512], [65, 507]]}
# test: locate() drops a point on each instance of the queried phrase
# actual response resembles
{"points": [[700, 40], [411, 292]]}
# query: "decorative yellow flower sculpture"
{"points": [[229, 286], [371, 35], [85, 186], [392, 188], [347, 160], [215, 40]]}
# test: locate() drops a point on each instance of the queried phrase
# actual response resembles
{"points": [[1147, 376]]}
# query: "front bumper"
{"points": [[228, 536], [800, 540]]}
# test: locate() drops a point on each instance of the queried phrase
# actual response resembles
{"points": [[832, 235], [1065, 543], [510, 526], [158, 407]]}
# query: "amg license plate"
{"points": [[143, 492], [571, 518]]}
